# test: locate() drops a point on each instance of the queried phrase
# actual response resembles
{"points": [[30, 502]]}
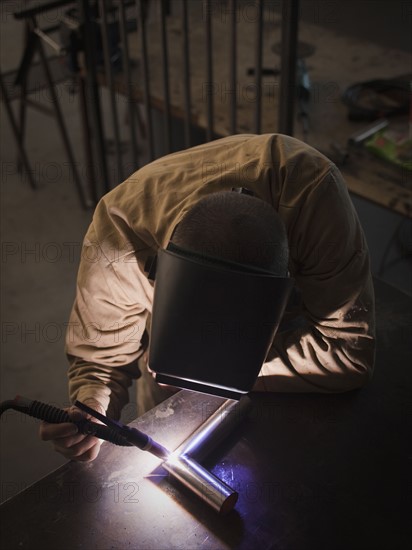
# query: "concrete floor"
{"points": [[41, 236]]}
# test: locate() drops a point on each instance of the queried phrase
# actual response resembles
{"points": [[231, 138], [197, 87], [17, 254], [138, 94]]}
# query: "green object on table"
{"points": [[396, 151]]}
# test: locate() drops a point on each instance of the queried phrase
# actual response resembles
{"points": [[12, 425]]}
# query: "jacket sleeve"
{"points": [[334, 350], [105, 334]]}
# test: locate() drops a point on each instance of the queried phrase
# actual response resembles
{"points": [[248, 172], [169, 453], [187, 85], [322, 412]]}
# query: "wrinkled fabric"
{"points": [[332, 351]]}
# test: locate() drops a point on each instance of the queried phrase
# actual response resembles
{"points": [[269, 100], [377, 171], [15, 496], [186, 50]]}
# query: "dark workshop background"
{"points": [[42, 229]]}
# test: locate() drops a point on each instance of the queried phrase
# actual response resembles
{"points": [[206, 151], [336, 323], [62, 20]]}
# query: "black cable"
{"points": [[6, 405], [53, 415]]}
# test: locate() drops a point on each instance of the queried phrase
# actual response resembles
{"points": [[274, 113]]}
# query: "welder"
{"points": [[234, 224]]}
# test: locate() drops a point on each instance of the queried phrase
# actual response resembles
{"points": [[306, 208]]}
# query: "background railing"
{"points": [[119, 56]]}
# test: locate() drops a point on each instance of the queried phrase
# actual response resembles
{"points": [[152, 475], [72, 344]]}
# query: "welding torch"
{"points": [[113, 431], [180, 464]]}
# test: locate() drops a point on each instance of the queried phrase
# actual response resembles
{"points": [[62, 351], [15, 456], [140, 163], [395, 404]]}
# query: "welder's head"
{"points": [[235, 227], [220, 292]]}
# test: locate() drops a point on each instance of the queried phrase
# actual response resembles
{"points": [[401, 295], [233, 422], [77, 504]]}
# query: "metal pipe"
{"points": [[232, 68], [287, 96], [110, 84], [216, 428], [52, 43], [129, 85], [182, 466], [258, 67], [201, 482], [362, 135], [186, 74], [165, 67]]}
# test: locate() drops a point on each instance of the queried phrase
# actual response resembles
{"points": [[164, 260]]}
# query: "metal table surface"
{"points": [[312, 471]]}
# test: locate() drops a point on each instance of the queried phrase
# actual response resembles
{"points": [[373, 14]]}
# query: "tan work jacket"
{"points": [[328, 258]]}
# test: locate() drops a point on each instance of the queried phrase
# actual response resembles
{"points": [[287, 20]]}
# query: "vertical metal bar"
{"points": [[232, 68], [165, 66], [129, 85], [145, 69], [22, 113], [186, 74], [23, 94], [60, 120], [93, 96], [258, 67], [87, 139], [209, 69], [287, 96], [15, 130], [110, 84]]}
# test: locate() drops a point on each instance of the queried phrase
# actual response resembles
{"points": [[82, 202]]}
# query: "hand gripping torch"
{"points": [[113, 431]]}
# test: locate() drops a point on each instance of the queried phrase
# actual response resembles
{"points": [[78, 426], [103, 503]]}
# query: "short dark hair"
{"points": [[235, 227]]}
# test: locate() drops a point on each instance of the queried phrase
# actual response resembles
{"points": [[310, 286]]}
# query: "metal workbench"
{"points": [[312, 471]]}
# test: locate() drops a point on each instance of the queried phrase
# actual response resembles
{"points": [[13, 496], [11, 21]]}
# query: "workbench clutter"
{"points": [[186, 76], [392, 146], [379, 101]]}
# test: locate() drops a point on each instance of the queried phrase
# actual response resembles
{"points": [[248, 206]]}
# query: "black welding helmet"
{"points": [[213, 321]]}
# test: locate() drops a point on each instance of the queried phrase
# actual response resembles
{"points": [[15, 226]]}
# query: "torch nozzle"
{"points": [[157, 449]]}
